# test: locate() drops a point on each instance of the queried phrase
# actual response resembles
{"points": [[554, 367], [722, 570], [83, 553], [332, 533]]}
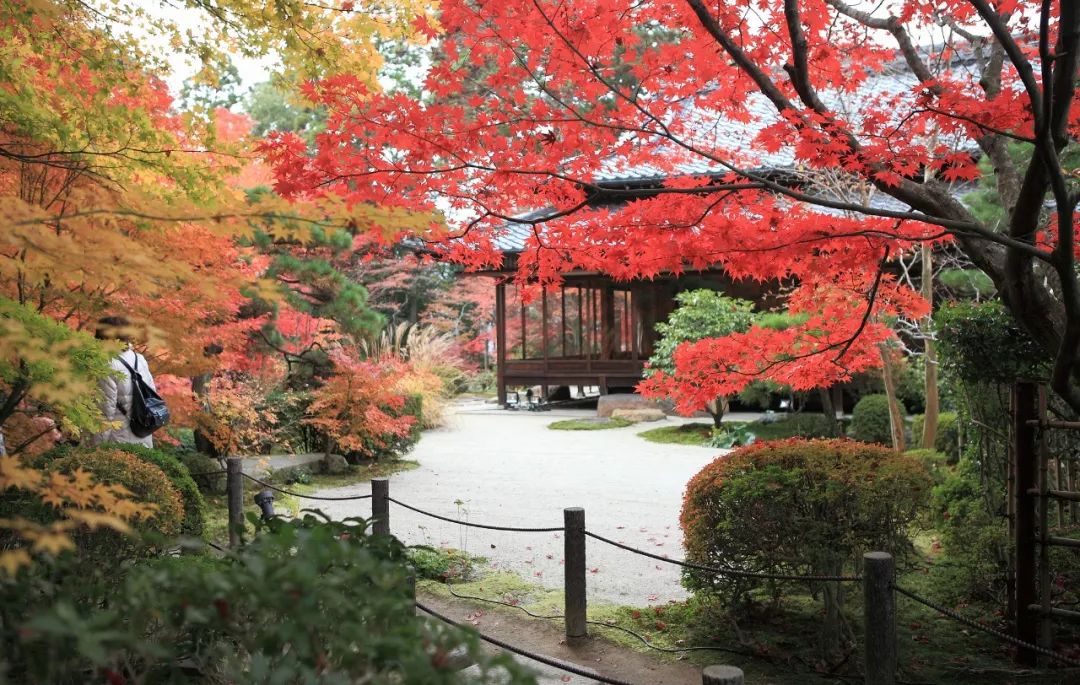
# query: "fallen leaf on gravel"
{"points": [[594, 570]]}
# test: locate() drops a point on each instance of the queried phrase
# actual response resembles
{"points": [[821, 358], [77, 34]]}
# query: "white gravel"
{"points": [[507, 468]]}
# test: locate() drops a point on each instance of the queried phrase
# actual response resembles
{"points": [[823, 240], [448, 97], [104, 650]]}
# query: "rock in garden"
{"points": [[639, 415], [334, 464], [606, 404]]}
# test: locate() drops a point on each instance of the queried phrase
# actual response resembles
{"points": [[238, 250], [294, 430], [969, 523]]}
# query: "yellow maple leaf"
{"points": [[94, 520], [14, 475], [52, 542], [12, 560]]}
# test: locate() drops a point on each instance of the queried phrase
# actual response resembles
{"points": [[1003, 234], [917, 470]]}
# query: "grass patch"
{"points": [[775, 643], [700, 433], [685, 434], [591, 424]]}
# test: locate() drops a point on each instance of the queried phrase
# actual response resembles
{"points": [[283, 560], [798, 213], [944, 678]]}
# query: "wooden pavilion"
{"points": [[592, 332]]}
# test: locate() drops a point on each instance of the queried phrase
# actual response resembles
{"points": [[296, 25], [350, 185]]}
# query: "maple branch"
{"points": [[870, 299], [799, 71], [903, 40], [1001, 32], [975, 122]]}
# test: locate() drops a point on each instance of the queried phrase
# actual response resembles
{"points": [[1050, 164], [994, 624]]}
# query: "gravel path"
{"points": [[507, 468]]}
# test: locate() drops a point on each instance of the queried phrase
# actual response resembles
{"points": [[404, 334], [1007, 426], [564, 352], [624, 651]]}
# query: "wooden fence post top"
{"points": [[877, 556], [722, 675]]}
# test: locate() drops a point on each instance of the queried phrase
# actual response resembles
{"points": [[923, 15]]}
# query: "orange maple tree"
{"points": [[674, 135]]}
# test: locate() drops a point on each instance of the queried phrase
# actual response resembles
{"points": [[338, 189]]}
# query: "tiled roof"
{"points": [[707, 129]]}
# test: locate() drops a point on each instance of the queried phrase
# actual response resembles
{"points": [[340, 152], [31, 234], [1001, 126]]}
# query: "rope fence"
{"points": [[734, 573], [509, 529], [555, 663], [980, 626], [303, 496], [878, 580]]}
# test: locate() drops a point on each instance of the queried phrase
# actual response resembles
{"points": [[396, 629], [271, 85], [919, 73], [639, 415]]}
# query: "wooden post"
{"points": [[380, 506], [574, 566], [410, 581], [722, 675], [500, 342], [1025, 458], [234, 468], [879, 618]]}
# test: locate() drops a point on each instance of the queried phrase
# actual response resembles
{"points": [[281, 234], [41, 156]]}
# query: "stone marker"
{"points": [[639, 415]]}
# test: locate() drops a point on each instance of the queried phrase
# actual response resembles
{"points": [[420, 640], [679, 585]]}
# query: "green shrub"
{"points": [[936, 463], [205, 471], [798, 507], [947, 439], [870, 420], [180, 476], [193, 503], [146, 482], [306, 601], [796, 426]]}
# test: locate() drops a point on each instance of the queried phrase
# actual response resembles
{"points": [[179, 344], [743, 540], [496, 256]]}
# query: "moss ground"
{"points": [[588, 424], [777, 643]]}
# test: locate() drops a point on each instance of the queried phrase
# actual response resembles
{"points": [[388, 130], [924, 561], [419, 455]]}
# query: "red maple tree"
{"points": [[672, 135]]}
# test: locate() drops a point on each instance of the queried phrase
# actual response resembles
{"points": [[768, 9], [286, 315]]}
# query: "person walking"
{"points": [[117, 388]]}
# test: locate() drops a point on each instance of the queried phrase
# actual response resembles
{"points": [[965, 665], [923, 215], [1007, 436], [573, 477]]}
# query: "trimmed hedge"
{"points": [[870, 420], [194, 506], [947, 439]]}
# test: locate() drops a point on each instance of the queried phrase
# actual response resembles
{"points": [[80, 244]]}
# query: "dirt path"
{"points": [[546, 638]]}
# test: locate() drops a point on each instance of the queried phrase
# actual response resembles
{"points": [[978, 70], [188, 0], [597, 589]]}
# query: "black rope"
{"points": [[561, 665], [208, 473], [477, 525], [650, 645], [724, 571], [979, 625], [297, 494]]}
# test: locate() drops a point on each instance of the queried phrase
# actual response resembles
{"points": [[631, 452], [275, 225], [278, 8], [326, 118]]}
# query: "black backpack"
{"points": [[148, 410]]}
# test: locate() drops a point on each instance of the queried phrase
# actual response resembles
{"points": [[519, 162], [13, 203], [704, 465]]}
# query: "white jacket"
{"points": [[116, 391]]}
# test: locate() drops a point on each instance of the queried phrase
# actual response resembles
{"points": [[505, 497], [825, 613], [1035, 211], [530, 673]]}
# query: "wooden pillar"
{"points": [[563, 324], [235, 488], [574, 570], [722, 675], [500, 342], [545, 338], [879, 618], [607, 322], [380, 506], [1025, 451]]}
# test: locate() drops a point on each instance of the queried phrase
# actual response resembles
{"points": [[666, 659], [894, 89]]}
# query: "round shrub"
{"points": [[870, 420], [180, 477], [947, 439], [146, 482], [194, 506], [204, 471], [798, 507]]}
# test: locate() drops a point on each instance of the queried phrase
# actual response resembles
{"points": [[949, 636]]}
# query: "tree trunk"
{"points": [[930, 420], [896, 417], [832, 627], [717, 408], [828, 407], [200, 386]]}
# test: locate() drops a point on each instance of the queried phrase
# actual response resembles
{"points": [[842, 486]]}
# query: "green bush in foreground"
{"points": [[307, 601], [798, 507]]}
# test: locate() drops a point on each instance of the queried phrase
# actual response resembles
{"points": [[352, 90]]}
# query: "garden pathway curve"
{"points": [[507, 468]]}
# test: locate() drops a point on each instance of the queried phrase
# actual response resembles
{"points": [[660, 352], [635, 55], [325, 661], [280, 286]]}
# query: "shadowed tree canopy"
{"points": [[576, 106]]}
